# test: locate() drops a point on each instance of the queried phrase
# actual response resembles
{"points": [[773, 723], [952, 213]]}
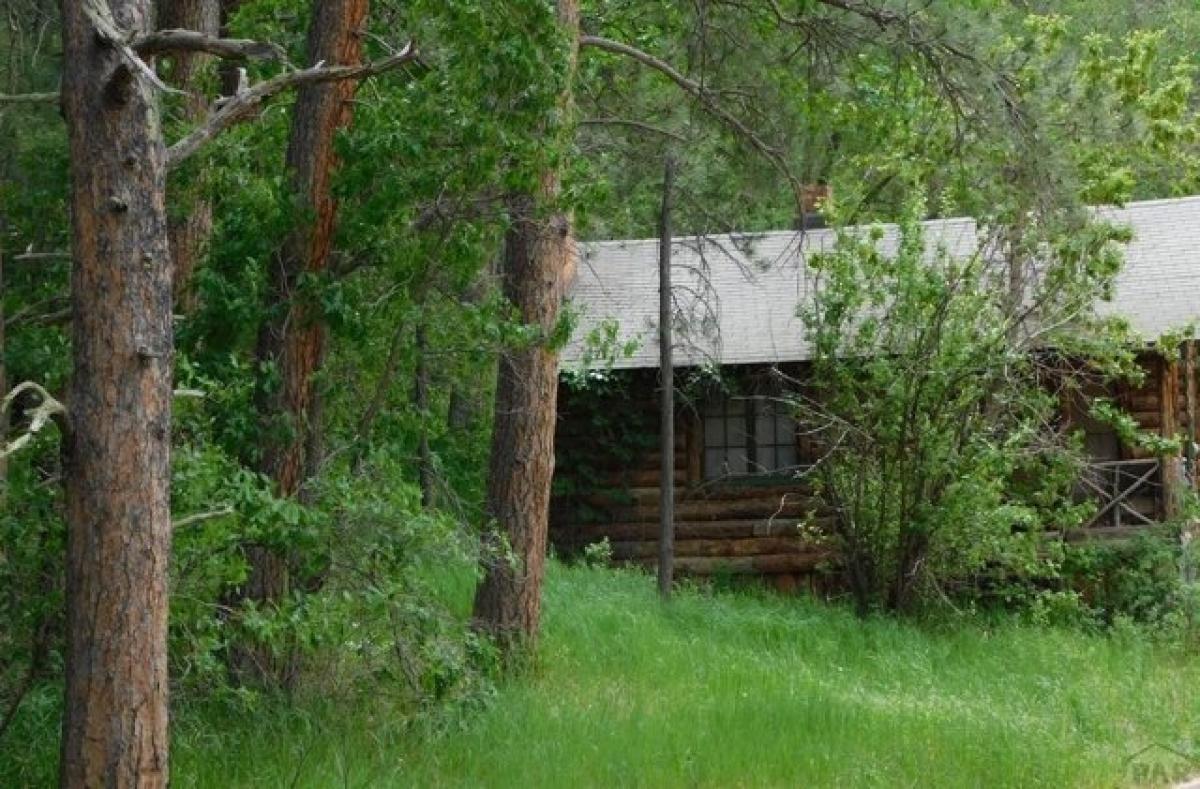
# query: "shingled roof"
{"points": [[741, 292]]}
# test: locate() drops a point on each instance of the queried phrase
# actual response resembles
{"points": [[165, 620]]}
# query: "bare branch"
{"points": [[707, 100], [100, 15], [201, 517], [39, 257], [880, 16], [633, 125], [49, 410], [29, 98], [237, 108], [47, 312], [176, 40]]}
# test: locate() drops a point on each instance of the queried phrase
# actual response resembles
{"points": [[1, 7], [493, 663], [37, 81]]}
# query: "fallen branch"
{"points": [[175, 40], [49, 410], [236, 108], [707, 100]]}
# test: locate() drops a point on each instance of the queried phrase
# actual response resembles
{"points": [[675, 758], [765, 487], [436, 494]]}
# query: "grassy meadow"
{"points": [[742, 689], [752, 690]]}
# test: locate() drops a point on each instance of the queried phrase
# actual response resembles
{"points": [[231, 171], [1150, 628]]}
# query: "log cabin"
{"points": [[739, 502]]}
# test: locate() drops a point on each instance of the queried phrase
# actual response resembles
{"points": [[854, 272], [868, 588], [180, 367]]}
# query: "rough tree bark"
{"points": [[189, 230], [294, 339], [117, 453], [538, 254]]}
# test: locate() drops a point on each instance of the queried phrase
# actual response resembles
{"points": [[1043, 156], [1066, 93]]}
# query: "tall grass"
{"points": [[739, 690]]}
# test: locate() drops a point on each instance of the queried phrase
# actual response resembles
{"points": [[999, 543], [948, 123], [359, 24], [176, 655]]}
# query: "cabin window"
{"points": [[1100, 440], [746, 435]]}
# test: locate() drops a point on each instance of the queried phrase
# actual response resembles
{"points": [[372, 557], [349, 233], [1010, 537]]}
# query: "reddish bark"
{"points": [[117, 454], [538, 256], [294, 339]]}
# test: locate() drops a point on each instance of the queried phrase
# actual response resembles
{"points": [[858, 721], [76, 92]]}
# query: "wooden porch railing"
{"points": [[1117, 484]]}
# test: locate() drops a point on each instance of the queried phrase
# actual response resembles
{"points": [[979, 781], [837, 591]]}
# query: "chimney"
{"points": [[812, 197]]}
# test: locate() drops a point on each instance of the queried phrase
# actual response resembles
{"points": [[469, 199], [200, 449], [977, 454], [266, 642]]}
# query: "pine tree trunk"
{"points": [[293, 340], [117, 473], [538, 254], [190, 229]]}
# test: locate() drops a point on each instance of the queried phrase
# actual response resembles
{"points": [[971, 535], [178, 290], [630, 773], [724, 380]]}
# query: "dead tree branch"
{"points": [[237, 108], [107, 31], [38, 257], [201, 517], [165, 42], [29, 98], [49, 410]]}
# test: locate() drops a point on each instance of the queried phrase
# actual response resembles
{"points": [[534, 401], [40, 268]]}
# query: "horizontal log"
{"points": [[1102, 534], [772, 495], [646, 462], [732, 491], [744, 565], [640, 478], [1147, 420], [751, 546], [684, 530], [715, 510], [761, 501], [1143, 401], [587, 437]]}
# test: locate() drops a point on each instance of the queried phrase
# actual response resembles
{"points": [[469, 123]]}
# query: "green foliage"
{"points": [[424, 173], [935, 403], [598, 554], [1142, 580], [602, 348], [614, 426]]}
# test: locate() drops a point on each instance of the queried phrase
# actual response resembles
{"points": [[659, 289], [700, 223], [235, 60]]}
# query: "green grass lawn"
{"points": [[750, 690]]}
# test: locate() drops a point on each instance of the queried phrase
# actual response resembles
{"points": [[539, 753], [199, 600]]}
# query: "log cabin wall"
{"points": [[607, 486], [1164, 403], [607, 477]]}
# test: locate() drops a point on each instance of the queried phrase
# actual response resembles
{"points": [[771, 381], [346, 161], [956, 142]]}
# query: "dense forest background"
{"points": [[345, 301]]}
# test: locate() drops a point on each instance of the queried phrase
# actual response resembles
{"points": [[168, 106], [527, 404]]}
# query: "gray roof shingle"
{"points": [[741, 293]]}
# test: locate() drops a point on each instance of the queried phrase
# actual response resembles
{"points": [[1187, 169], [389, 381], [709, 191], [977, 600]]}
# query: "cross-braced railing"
{"points": [[1117, 484]]}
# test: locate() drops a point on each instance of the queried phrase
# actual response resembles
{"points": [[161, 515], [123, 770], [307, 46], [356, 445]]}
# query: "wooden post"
{"points": [[1168, 425], [1189, 391], [666, 537]]}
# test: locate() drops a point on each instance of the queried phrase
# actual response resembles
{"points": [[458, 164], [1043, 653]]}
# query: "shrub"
{"points": [[1138, 582], [936, 399]]}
